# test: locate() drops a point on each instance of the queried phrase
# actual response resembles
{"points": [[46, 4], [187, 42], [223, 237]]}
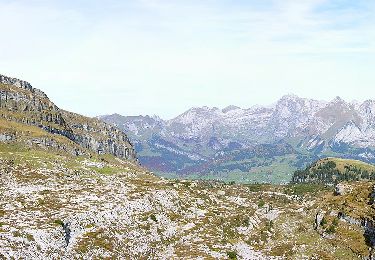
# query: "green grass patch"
{"points": [[59, 222], [232, 255], [305, 188]]}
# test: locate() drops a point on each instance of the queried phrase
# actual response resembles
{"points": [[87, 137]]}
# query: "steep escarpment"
{"points": [[96, 135], [21, 103], [21, 84], [347, 216]]}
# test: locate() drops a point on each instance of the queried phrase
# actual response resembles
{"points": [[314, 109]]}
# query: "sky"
{"points": [[163, 57]]}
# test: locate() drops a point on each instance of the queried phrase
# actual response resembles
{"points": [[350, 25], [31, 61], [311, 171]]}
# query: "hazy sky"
{"points": [[164, 56]]}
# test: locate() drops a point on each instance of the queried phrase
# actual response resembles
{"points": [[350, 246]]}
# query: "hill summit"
{"points": [[335, 170]]}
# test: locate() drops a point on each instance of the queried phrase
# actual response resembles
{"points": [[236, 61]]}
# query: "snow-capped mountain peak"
{"points": [[208, 131]]}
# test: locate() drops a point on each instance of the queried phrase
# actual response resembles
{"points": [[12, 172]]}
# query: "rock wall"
{"points": [[21, 103], [21, 84], [98, 136]]}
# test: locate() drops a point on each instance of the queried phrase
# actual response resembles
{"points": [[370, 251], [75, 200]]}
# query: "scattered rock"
{"points": [[342, 189]]}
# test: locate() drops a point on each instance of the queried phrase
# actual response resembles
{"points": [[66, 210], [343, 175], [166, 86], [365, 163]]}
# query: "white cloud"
{"points": [[162, 57]]}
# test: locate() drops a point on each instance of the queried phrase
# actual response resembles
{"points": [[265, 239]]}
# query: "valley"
{"points": [[72, 187], [187, 130], [249, 145]]}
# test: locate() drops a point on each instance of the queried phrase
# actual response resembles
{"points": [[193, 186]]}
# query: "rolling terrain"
{"points": [[57, 205], [71, 187]]}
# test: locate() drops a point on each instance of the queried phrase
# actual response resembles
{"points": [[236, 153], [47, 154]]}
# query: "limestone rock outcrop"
{"points": [[21, 103]]}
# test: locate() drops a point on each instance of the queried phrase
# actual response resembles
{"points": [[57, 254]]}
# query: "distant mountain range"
{"points": [[266, 141]]}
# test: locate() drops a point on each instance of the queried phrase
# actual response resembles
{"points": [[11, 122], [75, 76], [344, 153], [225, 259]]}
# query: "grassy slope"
{"points": [[334, 170], [341, 163], [24, 133], [276, 170]]}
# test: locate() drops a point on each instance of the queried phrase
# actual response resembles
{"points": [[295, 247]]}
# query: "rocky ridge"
{"points": [[21, 103], [21, 84]]}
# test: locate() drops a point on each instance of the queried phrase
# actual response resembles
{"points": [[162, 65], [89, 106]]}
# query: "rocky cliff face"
{"points": [[21, 103], [21, 84], [98, 136]]}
